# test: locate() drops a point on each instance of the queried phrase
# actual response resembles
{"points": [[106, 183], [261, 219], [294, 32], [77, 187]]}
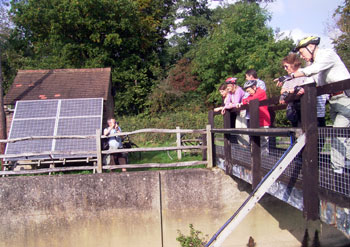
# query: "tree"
{"points": [[242, 41], [125, 35], [342, 43], [193, 19]]}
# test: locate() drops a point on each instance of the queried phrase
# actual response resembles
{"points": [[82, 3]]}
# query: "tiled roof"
{"points": [[59, 84]]}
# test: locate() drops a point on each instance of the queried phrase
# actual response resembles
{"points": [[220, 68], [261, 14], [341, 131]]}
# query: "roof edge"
{"points": [[108, 69]]}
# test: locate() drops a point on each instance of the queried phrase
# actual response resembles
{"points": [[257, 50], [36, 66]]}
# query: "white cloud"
{"points": [[297, 34]]}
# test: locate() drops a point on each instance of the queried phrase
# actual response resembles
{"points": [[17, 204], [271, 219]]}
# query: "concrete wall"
{"points": [[142, 209]]}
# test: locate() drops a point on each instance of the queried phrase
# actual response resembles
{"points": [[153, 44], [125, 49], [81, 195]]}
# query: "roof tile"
{"points": [[59, 83]]}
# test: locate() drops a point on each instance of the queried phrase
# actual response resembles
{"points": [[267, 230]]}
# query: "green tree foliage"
{"points": [[194, 22], [242, 41], [8, 71], [342, 43], [125, 35]]}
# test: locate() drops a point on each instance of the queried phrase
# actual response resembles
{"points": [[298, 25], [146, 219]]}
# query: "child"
{"points": [[226, 97], [260, 94], [264, 115]]}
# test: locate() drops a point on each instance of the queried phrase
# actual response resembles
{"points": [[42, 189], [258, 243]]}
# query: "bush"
{"points": [[194, 240], [166, 120]]}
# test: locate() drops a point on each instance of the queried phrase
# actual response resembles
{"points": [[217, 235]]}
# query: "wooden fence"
{"points": [[98, 166]]}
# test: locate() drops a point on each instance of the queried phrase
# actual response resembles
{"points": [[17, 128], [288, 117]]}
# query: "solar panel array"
{"points": [[62, 117]]}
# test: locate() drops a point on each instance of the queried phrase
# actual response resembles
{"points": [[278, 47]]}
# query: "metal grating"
{"points": [[55, 118], [334, 147]]}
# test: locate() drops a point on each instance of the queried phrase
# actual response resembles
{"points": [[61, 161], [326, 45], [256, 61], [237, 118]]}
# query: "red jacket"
{"points": [[264, 115]]}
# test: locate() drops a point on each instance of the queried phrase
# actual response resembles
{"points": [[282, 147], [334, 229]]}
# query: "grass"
{"points": [[163, 157]]}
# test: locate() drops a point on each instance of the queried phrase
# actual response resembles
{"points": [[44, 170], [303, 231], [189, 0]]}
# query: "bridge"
{"points": [[309, 182]]}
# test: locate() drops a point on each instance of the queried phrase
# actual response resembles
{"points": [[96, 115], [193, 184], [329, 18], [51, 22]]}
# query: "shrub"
{"points": [[194, 240], [166, 120]]}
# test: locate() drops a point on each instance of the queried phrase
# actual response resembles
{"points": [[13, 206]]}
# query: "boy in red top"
{"points": [[264, 115], [260, 94]]}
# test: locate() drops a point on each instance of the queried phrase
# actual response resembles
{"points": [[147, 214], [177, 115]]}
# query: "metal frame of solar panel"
{"points": [[61, 117]]}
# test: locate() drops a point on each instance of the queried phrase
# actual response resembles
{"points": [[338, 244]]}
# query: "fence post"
{"points": [[98, 151], [310, 153], [204, 137], [209, 147], [255, 143], [178, 143], [227, 143]]}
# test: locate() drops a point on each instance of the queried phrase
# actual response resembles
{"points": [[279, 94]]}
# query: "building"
{"points": [[61, 84]]}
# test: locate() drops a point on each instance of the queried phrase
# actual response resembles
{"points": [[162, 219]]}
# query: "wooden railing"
{"points": [[99, 167], [310, 171]]}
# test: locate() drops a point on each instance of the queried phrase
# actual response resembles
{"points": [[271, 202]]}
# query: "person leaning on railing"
{"points": [[292, 64], [264, 115], [237, 95], [326, 67], [226, 98], [252, 75]]}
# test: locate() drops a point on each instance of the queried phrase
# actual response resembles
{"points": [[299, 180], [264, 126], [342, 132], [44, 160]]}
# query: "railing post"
{"points": [[209, 147], [99, 151], [227, 143], [255, 143], [178, 143], [310, 153], [204, 137]]}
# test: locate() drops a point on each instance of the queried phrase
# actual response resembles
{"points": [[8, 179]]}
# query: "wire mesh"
{"points": [[273, 152], [333, 153], [334, 159]]}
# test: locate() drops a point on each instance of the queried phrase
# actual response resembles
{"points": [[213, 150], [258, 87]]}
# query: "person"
{"points": [[291, 63], [326, 67], [114, 142], [237, 96], [251, 74], [226, 100], [264, 115]]}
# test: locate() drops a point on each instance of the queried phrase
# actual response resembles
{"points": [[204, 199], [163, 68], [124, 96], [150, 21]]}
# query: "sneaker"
{"points": [[338, 170]]}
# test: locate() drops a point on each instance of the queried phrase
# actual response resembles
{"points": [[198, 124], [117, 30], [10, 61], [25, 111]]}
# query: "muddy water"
{"points": [[142, 209]]}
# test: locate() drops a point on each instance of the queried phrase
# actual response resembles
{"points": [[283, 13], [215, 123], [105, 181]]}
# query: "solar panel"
{"points": [[62, 117]]}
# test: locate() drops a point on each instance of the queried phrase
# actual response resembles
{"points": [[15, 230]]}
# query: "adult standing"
{"points": [[292, 64], [326, 67]]}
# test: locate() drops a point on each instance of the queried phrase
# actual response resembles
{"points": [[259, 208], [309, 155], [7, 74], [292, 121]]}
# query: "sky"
{"points": [[301, 18]]}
